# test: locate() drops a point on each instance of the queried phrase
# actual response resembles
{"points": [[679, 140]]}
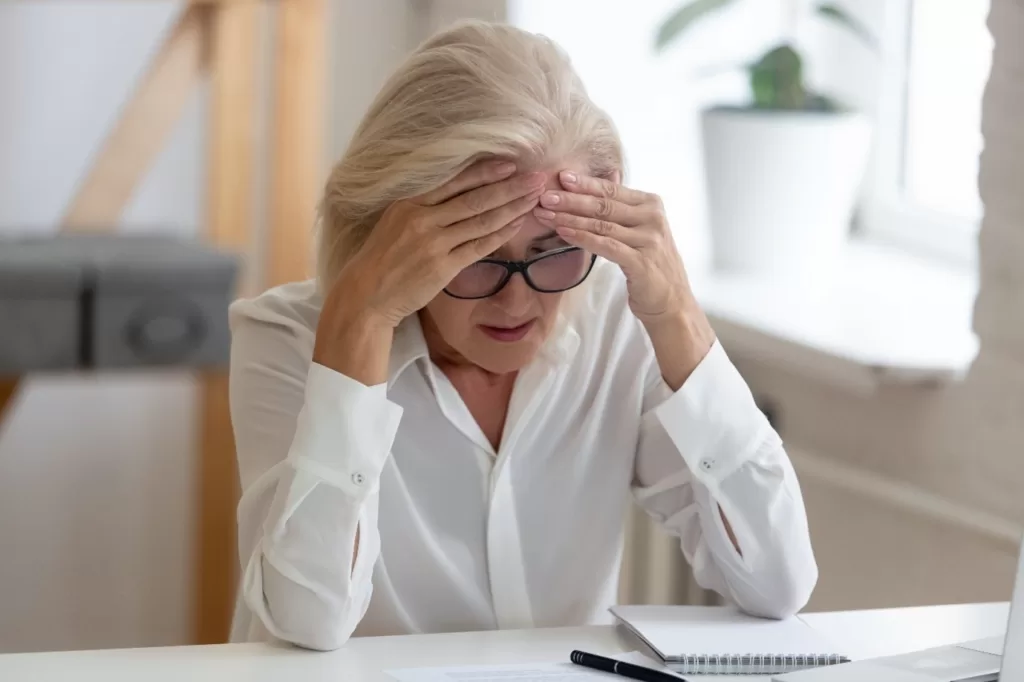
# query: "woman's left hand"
{"points": [[629, 228]]}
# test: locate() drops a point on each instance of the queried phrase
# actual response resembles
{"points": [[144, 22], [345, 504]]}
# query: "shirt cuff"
{"points": [[713, 419], [344, 431]]}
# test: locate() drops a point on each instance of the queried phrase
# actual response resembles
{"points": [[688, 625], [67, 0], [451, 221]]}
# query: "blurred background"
{"points": [[863, 283]]}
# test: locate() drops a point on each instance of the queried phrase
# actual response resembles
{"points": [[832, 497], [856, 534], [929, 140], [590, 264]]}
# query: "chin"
{"points": [[502, 358]]}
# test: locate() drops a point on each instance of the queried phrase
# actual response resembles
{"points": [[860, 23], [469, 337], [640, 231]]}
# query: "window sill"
{"points": [[885, 317]]}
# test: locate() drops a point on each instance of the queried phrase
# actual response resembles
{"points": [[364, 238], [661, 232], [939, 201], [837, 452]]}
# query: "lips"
{"points": [[507, 334]]}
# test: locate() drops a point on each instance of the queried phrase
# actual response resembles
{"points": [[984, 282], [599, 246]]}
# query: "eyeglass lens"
{"points": [[557, 272]]}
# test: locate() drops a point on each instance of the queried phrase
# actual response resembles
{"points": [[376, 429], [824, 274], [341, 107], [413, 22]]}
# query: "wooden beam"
{"points": [[8, 389], [216, 575], [234, 32], [297, 138], [145, 123]]}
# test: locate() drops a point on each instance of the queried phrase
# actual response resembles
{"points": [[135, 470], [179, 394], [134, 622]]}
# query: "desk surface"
{"points": [[861, 633]]}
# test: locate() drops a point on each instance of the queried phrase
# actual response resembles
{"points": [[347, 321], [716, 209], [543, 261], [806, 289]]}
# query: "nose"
{"points": [[516, 298]]}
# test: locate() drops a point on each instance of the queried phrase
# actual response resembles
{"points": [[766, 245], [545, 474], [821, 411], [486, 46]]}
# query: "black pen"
{"points": [[610, 665]]}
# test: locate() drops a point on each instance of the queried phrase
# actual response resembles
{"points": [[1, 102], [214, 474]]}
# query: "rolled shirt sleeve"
{"points": [[707, 447], [311, 446]]}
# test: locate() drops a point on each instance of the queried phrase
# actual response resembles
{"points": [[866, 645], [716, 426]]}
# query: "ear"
{"points": [[616, 177]]}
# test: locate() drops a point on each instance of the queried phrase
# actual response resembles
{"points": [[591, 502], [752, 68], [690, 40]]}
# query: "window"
{"points": [[923, 188], [950, 55]]}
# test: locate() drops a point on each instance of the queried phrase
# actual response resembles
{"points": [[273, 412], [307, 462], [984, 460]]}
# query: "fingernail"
{"points": [[535, 178], [506, 168], [544, 214], [550, 199], [565, 231], [569, 176]]}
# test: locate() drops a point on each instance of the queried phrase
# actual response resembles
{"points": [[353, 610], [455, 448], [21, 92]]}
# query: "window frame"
{"points": [[885, 213]]}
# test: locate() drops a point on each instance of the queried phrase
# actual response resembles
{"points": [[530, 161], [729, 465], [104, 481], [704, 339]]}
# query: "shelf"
{"points": [[882, 317]]}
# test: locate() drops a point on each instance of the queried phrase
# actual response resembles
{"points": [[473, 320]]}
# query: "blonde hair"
{"points": [[473, 91]]}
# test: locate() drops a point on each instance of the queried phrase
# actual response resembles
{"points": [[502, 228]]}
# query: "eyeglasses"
{"points": [[549, 273]]}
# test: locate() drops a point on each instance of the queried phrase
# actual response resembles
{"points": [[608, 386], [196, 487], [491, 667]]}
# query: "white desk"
{"points": [[862, 634]]}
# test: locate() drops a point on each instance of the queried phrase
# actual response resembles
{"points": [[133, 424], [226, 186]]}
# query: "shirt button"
{"points": [[707, 464], [358, 478]]}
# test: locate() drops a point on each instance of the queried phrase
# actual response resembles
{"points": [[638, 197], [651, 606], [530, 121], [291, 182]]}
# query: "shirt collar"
{"points": [[409, 345]]}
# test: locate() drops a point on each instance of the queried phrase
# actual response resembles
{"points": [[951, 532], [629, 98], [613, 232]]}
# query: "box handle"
{"points": [[166, 331]]}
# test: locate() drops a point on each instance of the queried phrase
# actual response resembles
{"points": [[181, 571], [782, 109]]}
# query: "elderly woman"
{"points": [[445, 430]]}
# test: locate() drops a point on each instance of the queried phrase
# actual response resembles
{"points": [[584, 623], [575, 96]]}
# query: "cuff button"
{"points": [[358, 478], [707, 464]]}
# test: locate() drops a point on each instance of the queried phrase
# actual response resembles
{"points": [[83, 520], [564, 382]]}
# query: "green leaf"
{"points": [[777, 80], [848, 21], [683, 18]]}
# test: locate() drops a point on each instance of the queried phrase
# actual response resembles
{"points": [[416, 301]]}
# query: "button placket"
{"points": [[505, 556]]}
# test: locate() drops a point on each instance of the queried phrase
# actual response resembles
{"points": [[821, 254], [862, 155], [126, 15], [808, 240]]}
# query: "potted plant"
{"points": [[782, 172]]}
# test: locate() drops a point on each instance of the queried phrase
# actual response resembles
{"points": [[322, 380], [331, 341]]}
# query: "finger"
{"points": [[487, 198], [491, 221], [590, 206], [477, 175], [599, 187], [472, 251], [621, 254], [605, 228]]}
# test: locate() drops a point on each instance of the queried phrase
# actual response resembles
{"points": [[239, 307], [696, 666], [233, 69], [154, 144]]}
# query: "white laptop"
{"points": [[976, 661]]}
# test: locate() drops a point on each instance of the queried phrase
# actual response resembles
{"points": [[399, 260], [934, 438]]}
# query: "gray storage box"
{"points": [[143, 300], [39, 311]]}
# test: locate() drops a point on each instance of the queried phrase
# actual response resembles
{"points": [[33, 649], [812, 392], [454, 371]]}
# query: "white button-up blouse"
{"points": [[455, 535]]}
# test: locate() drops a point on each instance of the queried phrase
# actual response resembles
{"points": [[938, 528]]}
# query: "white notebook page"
{"points": [[674, 631]]}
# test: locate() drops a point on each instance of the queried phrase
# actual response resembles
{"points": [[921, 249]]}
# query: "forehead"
{"points": [[532, 229]]}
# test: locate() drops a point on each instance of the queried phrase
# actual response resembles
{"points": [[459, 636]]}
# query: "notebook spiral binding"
{"points": [[752, 664]]}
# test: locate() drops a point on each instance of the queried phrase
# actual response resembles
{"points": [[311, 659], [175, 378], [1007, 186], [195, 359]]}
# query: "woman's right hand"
{"points": [[415, 249], [420, 244]]}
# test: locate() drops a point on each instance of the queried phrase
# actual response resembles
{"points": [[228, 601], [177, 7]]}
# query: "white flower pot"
{"points": [[782, 187]]}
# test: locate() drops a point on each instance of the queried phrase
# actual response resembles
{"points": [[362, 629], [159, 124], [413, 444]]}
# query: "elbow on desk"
{"points": [[297, 615], [788, 588], [316, 639], [318, 630]]}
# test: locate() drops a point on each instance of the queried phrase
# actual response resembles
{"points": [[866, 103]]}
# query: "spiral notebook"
{"points": [[710, 640]]}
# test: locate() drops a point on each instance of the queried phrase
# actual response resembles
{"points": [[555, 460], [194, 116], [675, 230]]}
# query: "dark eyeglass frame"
{"points": [[514, 266]]}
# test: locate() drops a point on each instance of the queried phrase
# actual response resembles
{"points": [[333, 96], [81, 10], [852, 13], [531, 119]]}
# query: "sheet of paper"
{"points": [[528, 672]]}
